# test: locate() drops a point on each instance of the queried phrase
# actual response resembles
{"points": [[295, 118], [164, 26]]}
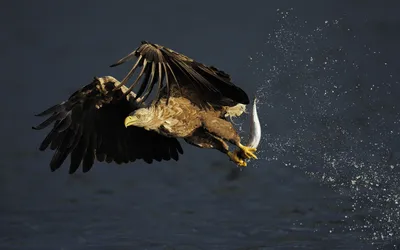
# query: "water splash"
{"points": [[332, 118]]}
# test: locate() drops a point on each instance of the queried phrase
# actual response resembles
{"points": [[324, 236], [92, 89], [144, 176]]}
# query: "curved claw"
{"points": [[247, 152], [236, 159]]}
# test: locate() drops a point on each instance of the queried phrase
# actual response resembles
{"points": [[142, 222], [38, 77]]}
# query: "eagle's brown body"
{"points": [[180, 118]]}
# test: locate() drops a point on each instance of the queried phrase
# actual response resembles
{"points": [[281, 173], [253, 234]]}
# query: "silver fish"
{"points": [[255, 127]]}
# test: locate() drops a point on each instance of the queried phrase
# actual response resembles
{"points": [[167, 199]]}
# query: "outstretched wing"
{"points": [[176, 73], [90, 125]]}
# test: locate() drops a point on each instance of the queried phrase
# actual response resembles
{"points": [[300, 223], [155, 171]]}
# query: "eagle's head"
{"points": [[140, 118]]}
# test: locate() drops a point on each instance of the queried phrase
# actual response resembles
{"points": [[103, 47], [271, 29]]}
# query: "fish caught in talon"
{"points": [[247, 152]]}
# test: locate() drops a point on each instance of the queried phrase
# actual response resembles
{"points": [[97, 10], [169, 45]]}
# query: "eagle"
{"points": [[107, 121]]}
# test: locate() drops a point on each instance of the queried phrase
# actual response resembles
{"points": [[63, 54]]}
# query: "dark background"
{"points": [[326, 73]]}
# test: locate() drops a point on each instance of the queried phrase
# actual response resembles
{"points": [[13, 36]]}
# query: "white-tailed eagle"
{"points": [[106, 121]]}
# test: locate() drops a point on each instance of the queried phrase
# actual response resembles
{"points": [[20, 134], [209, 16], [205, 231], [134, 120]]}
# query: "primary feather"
{"points": [[89, 126], [207, 84]]}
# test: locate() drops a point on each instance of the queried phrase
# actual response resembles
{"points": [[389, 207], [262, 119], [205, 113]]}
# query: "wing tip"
{"points": [[116, 64], [53, 167], [73, 168]]}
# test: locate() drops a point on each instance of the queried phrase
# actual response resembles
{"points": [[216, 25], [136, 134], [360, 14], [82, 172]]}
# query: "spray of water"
{"points": [[334, 119]]}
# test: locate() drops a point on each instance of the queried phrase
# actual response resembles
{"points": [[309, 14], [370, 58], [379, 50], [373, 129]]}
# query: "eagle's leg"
{"points": [[201, 138], [233, 156], [223, 129]]}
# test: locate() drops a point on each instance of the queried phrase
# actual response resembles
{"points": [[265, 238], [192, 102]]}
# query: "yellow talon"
{"points": [[235, 158], [247, 152]]}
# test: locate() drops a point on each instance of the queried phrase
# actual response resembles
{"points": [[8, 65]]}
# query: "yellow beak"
{"points": [[130, 120]]}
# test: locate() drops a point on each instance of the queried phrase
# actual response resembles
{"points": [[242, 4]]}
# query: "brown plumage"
{"points": [[180, 118], [90, 125], [172, 71], [192, 102]]}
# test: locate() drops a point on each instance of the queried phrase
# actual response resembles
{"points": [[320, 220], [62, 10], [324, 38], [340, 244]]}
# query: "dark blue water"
{"points": [[328, 79]]}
